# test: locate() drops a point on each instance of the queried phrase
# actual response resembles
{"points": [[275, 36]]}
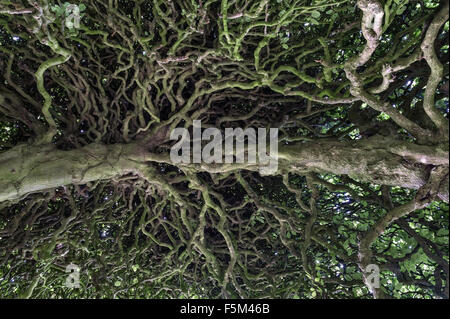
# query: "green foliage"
{"points": [[136, 69]]}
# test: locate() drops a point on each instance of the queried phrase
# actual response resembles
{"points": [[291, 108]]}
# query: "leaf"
{"points": [[401, 10], [442, 232], [315, 14]]}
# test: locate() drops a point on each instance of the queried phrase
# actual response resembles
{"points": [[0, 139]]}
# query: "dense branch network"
{"points": [[358, 89]]}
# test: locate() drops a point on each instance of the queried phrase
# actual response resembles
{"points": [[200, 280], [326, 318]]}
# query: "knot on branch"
{"points": [[427, 193]]}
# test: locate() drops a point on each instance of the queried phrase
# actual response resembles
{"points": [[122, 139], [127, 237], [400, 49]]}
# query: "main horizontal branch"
{"points": [[27, 169]]}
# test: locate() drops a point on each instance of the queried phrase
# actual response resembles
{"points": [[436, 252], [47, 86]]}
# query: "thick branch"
{"points": [[26, 169]]}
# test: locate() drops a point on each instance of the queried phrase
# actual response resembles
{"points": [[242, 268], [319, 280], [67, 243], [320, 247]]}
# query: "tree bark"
{"points": [[27, 169]]}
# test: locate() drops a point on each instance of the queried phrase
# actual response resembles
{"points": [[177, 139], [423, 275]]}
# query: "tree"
{"points": [[358, 90]]}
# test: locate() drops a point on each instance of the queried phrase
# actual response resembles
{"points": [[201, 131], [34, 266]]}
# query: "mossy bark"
{"points": [[26, 169]]}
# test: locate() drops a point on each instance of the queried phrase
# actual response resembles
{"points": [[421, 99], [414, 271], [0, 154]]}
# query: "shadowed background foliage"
{"points": [[358, 90]]}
